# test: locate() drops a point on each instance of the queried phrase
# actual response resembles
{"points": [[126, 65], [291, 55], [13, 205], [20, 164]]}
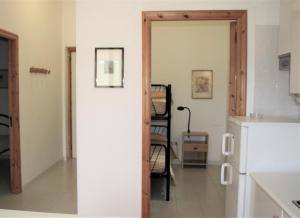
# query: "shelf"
{"points": [[195, 142], [194, 162]]}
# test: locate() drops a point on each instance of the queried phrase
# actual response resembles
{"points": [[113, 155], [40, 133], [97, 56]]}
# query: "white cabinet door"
{"points": [[262, 205], [285, 215], [234, 196], [239, 147]]}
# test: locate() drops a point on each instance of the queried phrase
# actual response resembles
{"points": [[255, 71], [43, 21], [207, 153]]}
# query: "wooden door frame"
{"points": [[232, 86], [240, 16], [13, 108], [70, 50]]}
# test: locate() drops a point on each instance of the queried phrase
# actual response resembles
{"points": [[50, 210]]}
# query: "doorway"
{"points": [[10, 115], [237, 88]]}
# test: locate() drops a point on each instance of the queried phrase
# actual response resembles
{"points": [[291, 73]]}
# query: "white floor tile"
{"points": [[54, 191], [198, 193]]}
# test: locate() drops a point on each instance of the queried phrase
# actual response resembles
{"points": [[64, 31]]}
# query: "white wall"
{"points": [[3, 92], [177, 49], [38, 24], [68, 40], [109, 120], [272, 96]]}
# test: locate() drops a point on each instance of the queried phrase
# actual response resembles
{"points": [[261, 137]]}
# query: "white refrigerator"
{"points": [[255, 145]]}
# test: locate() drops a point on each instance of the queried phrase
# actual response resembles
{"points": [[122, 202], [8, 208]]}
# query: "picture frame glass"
{"points": [[109, 67], [202, 84]]}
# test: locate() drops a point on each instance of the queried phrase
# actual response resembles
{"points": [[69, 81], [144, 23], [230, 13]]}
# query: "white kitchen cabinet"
{"points": [[285, 215], [256, 145], [263, 206], [272, 194]]}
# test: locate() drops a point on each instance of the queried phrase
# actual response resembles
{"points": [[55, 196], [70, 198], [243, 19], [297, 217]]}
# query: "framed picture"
{"points": [[109, 67], [202, 84], [3, 78]]}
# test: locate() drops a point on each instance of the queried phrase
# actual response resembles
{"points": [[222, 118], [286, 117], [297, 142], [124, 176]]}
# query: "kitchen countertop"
{"points": [[247, 121], [283, 188]]}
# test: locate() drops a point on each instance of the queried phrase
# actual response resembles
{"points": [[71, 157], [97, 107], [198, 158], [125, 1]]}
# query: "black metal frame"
{"points": [[109, 48], [6, 125], [166, 118]]}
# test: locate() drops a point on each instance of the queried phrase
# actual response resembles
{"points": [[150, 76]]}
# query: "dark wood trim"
{"points": [[241, 100], [146, 115], [13, 105], [240, 16], [233, 69], [194, 15], [8, 35], [70, 50]]}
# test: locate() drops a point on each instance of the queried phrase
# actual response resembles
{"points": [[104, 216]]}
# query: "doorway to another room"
{"points": [[53, 189], [192, 58], [4, 123], [10, 162], [197, 61]]}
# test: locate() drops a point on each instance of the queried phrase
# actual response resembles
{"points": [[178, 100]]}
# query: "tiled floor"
{"points": [[54, 191], [197, 193]]}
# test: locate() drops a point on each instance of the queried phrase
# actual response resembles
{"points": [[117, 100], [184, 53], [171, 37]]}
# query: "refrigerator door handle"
{"points": [[230, 172], [230, 150]]}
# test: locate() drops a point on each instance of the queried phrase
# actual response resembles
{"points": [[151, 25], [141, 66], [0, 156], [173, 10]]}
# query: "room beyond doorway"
{"points": [[183, 53], [240, 74]]}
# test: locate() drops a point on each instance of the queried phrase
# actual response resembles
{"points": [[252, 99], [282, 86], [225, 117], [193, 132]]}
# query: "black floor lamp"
{"points": [[181, 108]]}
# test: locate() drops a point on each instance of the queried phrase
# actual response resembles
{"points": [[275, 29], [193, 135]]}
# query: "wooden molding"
{"points": [[240, 17], [8, 35], [13, 107], [70, 50], [194, 15], [233, 70], [146, 116]]}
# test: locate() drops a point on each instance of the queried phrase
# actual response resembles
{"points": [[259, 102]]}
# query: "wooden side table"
{"points": [[194, 149]]}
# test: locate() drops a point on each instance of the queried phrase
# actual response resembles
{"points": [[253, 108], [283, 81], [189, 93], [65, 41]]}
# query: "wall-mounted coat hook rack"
{"points": [[39, 70]]}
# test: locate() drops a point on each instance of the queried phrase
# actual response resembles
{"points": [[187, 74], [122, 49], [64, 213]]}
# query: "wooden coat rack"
{"points": [[39, 70]]}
